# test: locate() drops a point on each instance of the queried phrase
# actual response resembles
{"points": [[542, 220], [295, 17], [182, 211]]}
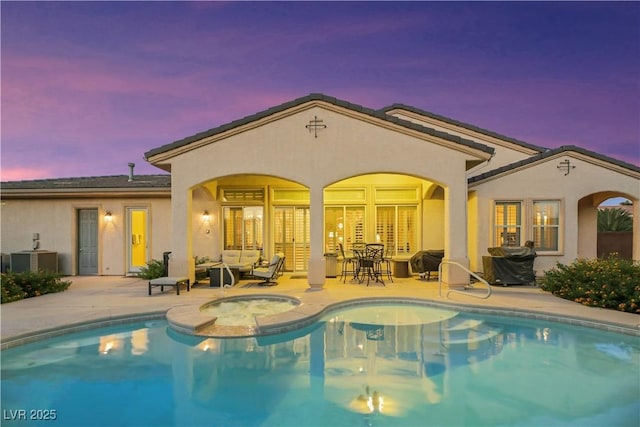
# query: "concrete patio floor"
{"points": [[103, 300]]}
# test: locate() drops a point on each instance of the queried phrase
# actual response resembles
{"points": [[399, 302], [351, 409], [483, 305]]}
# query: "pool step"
{"points": [[466, 331]]}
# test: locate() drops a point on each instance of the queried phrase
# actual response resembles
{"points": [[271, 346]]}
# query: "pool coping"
{"points": [[99, 322], [294, 319], [189, 320], [94, 302]]}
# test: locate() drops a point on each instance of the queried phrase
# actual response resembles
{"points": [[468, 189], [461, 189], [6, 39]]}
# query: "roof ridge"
{"points": [[462, 124], [85, 178]]}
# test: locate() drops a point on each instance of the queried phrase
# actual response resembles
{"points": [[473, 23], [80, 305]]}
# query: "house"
{"points": [[87, 220], [304, 176]]}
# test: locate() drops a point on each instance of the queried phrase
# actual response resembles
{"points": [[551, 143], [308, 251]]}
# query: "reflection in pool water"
{"points": [[383, 365]]}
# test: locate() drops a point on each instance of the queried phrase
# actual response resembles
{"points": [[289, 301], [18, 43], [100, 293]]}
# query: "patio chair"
{"points": [[385, 261], [349, 264], [369, 262], [270, 273]]}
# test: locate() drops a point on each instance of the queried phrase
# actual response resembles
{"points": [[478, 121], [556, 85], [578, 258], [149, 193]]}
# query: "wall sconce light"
{"points": [[108, 217], [205, 216]]}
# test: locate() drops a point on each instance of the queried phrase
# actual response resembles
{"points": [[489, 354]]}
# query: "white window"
{"points": [[508, 224], [396, 227], [343, 224], [243, 227], [546, 225]]}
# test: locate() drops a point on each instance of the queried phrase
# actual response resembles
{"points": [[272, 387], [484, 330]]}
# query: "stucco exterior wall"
{"points": [[55, 221], [347, 147], [351, 145], [544, 181]]}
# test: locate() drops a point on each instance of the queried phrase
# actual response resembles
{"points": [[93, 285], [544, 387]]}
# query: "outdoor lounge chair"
{"points": [[270, 273], [167, 280]]}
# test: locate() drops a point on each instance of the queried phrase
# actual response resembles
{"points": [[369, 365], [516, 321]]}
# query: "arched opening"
{"points": [[607, 225], [404, 213], [249, 212]]}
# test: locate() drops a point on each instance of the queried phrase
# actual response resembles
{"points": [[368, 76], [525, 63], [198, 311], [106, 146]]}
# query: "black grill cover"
{"points": [[424, 261], [509, 265]]}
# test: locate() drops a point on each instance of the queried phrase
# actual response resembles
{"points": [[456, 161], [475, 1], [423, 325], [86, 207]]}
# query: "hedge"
{"points": [[611, 283]]}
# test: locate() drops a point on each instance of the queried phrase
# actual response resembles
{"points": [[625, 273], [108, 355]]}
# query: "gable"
{"points": [[561, 172], [507, 150], [161, 156]]}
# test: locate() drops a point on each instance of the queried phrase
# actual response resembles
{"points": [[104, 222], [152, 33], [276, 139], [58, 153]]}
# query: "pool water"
{"points": [[375, 365], [243, 311]]}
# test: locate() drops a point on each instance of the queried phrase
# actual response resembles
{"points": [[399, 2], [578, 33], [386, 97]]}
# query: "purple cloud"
{"points": [[118, 79]]}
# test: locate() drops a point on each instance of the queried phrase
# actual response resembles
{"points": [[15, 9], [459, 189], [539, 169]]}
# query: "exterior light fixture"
{"points": [[108, 217], [205, 216]]}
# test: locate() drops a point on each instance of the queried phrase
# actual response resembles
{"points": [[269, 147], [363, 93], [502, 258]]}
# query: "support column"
{"points": [[181, 262], [317, 272], [455, 232]]}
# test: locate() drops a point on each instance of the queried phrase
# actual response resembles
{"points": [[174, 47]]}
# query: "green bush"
{"points": [[152, 270], [16, 286], [611, 283]]}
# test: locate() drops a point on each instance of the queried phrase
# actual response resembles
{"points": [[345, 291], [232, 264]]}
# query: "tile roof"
{"points": [[462, 124], [318, 97], [551, 153], [92, 182]]}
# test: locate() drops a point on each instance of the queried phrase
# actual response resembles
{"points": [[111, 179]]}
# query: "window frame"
{"points": [[559, 226], [528, 223], [519, 226], [405, 248]]}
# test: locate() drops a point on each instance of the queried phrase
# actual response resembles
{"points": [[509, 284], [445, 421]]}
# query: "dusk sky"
{"points": [[89, 86]]}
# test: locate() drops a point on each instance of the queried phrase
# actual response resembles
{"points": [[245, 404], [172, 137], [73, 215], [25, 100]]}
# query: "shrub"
{"points": [[152, 270], [16, 286], [611, 283]]}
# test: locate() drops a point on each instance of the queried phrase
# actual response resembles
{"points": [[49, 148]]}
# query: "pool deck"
{"points": [[94, 301]]}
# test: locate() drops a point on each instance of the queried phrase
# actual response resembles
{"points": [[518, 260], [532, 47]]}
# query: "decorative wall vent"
{"points": [[566, 166], [315, 125]]}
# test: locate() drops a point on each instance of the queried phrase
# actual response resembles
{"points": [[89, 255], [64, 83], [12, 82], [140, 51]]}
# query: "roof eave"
{"points": [[570, 150], [530, 148], [67, 193], [167, 151]]}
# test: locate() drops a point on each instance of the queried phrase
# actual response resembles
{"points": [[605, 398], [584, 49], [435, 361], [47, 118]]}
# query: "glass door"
{"points": [[291, 236], [137, 232]]}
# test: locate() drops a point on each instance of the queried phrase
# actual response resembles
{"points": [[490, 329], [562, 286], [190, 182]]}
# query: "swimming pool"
{"points": [[374, 364]]}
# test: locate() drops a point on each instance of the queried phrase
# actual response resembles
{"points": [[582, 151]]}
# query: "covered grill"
{"points": [[424, 262], [510, 265]]}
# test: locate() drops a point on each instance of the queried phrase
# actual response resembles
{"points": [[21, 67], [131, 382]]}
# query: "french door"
{"points": [[291, 236], [138, 238]]}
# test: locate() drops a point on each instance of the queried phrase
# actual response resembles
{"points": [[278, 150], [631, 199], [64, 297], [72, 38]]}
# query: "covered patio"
{"points": [[306, 160]]}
